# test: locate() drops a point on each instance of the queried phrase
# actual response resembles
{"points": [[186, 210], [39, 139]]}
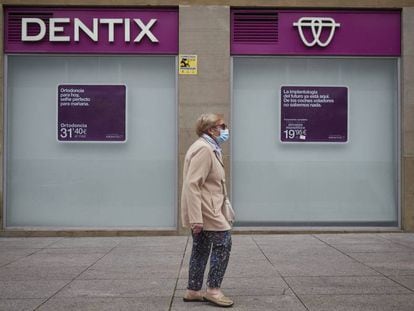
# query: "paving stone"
{"points": [[140, 273], [29, 289], [388, 264], [86, 242], [398, 236], [248, 261], [119, 288], [116, 258], [287, 302], [149, 250], [407, 281], [250, 266], [106, 304], [72, 250], [145, 268], [10, 255], [156, 249], [123, 272], [344, 285], [19, 304], [255, 254], [320, 266], [406, 239], [6, 259], [27, 242], [242, 239], [179, 305], [163, 244], [19, 273], [358, 302], [57, 260], [286, 238], [240, 247], [352, 238], [382, 247], [301, 251], [245, 241]]}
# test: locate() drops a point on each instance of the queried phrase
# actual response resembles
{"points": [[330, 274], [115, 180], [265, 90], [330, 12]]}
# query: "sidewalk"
{"points": [[266, 272]]}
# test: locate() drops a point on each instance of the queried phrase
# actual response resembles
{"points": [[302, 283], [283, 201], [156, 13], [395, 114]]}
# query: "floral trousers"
{"points": [[219, 244]]}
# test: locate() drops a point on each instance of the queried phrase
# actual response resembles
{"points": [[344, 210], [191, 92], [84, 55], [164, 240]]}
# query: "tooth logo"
{"points": [[316, 24]]}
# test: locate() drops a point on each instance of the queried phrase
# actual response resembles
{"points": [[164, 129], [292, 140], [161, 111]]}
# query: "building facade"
{"points": [[100, 101]]}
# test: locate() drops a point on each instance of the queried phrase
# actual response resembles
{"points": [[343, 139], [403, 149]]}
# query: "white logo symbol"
{"points": [[316, 24]]}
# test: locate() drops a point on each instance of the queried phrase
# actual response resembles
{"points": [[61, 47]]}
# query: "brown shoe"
{"points": [[221, 301], [192, 298]]}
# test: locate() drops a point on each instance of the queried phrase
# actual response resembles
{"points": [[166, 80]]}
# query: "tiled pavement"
{"points": [[266, 272]]}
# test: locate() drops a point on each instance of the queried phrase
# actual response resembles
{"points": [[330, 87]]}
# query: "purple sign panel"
{"points": [[91, 113], [314, 114], [297, 32], [91, 30]]}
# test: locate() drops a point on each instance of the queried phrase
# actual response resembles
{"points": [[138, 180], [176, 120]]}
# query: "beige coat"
{"points": [[202, 196]]}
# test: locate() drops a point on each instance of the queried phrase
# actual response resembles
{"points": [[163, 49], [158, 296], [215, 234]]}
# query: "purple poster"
{"points": [[91, 113], [314, 114]]}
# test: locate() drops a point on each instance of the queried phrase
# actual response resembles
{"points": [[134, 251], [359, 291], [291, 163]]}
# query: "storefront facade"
{"points": [[326, 149], [98, 114]]}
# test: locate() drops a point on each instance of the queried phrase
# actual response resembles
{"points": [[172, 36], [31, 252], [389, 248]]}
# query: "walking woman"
{"points": [[201, 209]]}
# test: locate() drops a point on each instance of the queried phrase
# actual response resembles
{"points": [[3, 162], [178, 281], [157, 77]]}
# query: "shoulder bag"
{"points": [[226, 208]]}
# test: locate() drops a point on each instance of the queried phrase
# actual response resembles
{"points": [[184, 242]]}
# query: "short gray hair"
{"points": [[205, 122]]}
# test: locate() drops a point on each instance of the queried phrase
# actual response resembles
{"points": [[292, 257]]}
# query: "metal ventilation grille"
{"points": [[255, 27], [14, 30]]}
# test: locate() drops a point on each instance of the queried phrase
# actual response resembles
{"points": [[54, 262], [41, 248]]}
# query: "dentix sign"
{"points": [[57, 29], [92, 31]]}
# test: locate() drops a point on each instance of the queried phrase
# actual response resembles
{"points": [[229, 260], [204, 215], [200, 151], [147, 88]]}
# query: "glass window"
{"points": [[315, 184], [54, 184]]}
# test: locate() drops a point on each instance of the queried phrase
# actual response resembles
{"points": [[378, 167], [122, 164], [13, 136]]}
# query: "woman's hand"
{"points": [[197, 228]]}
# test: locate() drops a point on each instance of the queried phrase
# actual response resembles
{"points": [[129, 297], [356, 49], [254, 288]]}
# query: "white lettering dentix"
{"points": [[127, 30], [111, 25], [145, 30], [39, 22], [93, 34], [53, 29], [57, 27]]}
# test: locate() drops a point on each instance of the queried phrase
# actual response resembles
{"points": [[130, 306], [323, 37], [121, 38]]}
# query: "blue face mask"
{"points": [[224, 136]]}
